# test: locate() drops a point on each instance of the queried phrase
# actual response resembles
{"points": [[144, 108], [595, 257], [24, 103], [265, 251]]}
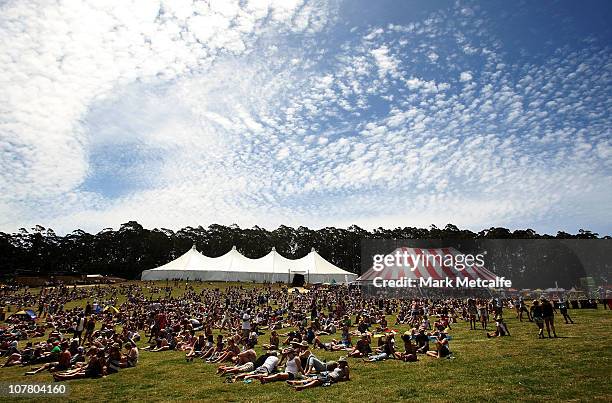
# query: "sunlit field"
{"points": [[576, 366]]}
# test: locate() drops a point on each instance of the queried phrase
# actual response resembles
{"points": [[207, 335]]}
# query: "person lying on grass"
{"points": [[243, 362], [268, 367], [293, 369], [339, 374], [314, 365]]}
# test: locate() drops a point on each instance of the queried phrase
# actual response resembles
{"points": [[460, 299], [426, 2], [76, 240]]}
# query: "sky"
{"points": [[306, 112]]}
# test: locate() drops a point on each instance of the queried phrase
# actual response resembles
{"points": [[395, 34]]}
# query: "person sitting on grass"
{"points": [[339, 374], [130, 360], [63, 363], [500, 328], [442, 350], [388, 350], [442, 324], [243, 362], [93, 369], [410, 349], [196, 349], [293, 369], [274, 341], [209, 348], [161, 344], [21, 357], [228, 353], [362, 348], [215, 351], [422, 342]]}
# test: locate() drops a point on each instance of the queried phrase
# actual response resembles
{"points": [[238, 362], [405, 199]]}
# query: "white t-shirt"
{"points": [[246, 322], [291, 367], [270, 363]]}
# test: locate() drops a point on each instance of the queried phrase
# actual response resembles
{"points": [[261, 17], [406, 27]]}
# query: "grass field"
{"points": [[575, 367]]}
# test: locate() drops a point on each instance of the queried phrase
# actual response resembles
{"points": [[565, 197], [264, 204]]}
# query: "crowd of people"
{"points": [[225, 327]]}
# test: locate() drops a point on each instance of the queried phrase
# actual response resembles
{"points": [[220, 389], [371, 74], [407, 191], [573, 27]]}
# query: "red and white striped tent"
{"points": [[430, 264]]}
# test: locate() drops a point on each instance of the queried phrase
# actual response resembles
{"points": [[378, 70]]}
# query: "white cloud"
{"points": [[465, 76], [232, 112], [386, 63]]}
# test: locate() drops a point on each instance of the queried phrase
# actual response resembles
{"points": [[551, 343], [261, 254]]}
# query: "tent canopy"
{"points": [[27, 314], [233, 266]]}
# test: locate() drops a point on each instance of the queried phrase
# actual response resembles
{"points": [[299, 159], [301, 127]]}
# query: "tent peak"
{"points": [[273, 249], [193, 247], [312, 249], [233, 247]]}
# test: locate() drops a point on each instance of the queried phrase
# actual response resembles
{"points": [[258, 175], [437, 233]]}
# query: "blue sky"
{"points": [[316, 113]]}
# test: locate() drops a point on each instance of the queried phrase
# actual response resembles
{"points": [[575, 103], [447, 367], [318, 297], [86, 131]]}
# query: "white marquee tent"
{"points": [[233, 266]]}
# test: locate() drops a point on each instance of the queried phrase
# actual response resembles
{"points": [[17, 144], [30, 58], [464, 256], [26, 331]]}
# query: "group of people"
{"points": [[223, 327]]}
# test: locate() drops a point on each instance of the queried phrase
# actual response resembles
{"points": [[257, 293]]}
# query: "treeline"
{"points": [[128, 251]]}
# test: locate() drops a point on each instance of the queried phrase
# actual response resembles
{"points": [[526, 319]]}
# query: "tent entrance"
{"points": [[298, 280]]}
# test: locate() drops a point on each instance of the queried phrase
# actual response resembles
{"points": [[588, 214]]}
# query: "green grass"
{"points": [[575, 367]]}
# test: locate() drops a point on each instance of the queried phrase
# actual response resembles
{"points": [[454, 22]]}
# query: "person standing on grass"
{"points": [[523, 308], [472, 313], [563, 309], [538, 317], [517, 308], [246, 325], [483, 312], [548, 312], [78, 332]]}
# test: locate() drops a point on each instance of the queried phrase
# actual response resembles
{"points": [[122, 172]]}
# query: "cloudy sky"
{"points": [[300, 112]]}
